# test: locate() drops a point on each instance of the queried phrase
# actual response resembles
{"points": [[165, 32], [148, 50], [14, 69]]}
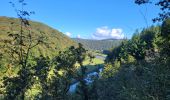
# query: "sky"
{"points": [[89, 19]]}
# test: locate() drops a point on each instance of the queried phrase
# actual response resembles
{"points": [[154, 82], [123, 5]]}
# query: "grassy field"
{"points": [[94, 64], [95, 61], [99, 54]]}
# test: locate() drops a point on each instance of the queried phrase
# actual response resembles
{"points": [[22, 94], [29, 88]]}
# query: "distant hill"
{"points": [[101, 45], [55, 40]]}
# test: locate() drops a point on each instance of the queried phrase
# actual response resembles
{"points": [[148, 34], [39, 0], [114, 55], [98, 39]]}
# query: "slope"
{"points": [[98, 44], [54, 40]]}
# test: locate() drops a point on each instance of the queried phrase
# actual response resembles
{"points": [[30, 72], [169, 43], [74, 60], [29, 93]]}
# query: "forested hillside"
{"points": [[101, 45], [54, 40]]}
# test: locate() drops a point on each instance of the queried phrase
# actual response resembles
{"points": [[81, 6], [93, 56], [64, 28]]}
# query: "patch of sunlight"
{"points": [[95, 61], [60, 72], [33, 91]]}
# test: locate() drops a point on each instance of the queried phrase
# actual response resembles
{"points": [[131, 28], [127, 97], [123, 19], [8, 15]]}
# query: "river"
{"points": [[89, 76], [88, 79]]}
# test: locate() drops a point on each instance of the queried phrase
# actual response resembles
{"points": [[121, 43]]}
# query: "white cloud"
{"points": [[107, 33], [68, 34], [78, 36]]}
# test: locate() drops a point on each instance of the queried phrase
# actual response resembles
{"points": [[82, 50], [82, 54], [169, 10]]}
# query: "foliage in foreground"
{"points": [[55, 86], [139, 68]]}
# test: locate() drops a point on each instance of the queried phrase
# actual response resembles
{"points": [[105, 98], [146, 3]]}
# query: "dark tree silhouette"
{"points": [[19, 49], [164, 7]]}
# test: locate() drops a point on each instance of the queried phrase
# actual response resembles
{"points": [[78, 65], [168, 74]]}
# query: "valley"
{"points": [[85, 50]]}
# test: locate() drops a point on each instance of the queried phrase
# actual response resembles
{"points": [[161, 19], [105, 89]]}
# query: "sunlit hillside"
{"points": [[54, 40]]}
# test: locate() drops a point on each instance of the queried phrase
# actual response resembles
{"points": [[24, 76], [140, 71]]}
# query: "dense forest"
{"points": [[53, 40], [139, 68], [40, 63], [99, 45]]}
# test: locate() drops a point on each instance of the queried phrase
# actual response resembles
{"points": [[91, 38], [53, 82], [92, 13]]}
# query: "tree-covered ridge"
{"points": [[53, 39], [101, 45], [142, 45]]}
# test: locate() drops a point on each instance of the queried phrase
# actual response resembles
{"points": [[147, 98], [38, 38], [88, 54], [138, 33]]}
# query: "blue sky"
{"points": [[96, 19]]}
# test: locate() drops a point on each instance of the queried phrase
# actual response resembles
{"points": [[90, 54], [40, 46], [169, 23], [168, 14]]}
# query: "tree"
{"points": [[81, 55], [19, 49], [42, 68], [64, 72], [164, 7], [56, 85], [165, 33]]}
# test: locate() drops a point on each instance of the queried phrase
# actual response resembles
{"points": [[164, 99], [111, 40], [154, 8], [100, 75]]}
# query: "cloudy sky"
{"points": [[93, 19]]}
